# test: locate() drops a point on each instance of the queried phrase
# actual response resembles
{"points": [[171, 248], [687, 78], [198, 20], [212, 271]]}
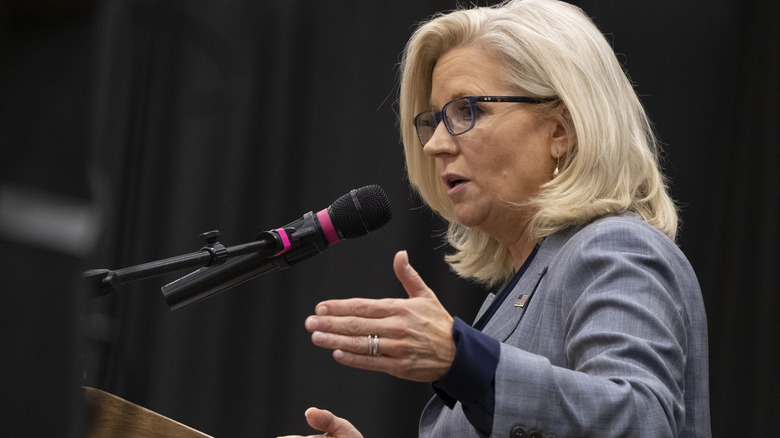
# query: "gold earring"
{"points": [[557, 165]]}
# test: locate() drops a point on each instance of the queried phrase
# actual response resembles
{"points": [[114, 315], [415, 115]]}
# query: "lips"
{"points": [[453, 181]]}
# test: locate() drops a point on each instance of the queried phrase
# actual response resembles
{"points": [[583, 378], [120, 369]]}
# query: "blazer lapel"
{"points": [[508, 316], [485, 305]]}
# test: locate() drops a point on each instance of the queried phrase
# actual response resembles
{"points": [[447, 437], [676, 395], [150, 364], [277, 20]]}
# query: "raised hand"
{"points": [[407, 338]]}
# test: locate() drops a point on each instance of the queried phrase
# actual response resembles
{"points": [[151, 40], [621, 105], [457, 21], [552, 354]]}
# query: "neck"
{"points": [[520, 245], [520, 251]]}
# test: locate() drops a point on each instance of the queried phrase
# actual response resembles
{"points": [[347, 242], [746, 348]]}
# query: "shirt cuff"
{"points": [[473, 370]]}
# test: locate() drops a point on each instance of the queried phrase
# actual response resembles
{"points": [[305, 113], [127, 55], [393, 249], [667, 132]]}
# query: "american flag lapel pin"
{"points": [[521, 301]]}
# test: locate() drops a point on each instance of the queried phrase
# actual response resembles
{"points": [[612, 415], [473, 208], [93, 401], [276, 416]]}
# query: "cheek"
{"points": [[519, 171], [515, 153]]}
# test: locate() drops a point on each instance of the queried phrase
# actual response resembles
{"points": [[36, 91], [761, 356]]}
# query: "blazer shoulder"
{"points": [[617, 242], [627, 229]]}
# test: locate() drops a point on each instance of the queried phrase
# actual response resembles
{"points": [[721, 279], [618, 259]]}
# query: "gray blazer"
{"points": [[604, 335]]}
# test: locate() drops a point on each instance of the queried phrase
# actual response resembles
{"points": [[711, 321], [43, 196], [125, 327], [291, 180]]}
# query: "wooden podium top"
{"points": [[109, 416]]}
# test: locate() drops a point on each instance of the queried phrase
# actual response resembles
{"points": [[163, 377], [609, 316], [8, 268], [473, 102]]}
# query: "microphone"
{"points": [[354, 214]]}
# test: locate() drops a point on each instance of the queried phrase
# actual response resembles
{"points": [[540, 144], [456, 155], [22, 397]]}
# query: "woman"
{"points": [[522, 131]]}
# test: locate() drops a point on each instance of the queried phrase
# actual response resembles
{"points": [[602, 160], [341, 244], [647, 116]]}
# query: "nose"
{"points": [[441, 142]]}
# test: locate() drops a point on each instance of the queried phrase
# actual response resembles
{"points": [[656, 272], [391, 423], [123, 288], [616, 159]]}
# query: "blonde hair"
{"points": [[545, 48]]}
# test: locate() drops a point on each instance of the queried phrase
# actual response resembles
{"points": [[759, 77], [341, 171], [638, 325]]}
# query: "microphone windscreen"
{"points": [[360, 212]]}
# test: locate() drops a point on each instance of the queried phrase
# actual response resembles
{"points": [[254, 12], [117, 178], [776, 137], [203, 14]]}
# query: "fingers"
{"points": [[410, 279], [354, 344], [332, 425], [325, 421], [357, 344], [364, 307], [320, 419], [356, 326], [410, 368], [383, 363]]}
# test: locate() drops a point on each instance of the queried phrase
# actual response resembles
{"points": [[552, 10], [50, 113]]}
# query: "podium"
{"points": [[109, 416]]}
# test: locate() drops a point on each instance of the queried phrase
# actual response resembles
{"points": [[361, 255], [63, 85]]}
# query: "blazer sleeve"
{"points": [[604, 352]]}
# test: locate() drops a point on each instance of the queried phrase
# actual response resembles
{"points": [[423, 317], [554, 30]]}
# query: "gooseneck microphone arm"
{"points": [[354, 214], [105, 281], [210, 280]]}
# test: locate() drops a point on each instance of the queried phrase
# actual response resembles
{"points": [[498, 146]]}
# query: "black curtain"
{"points": [[143, 124], [47, 214]]}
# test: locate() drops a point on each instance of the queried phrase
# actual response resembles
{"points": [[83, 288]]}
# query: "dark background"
{"points": [[129, 127]]}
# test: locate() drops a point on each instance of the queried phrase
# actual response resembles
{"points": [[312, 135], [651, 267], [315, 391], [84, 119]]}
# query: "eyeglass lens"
{"points": [[458, 117]]}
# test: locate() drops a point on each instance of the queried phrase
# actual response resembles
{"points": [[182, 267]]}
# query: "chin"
{"points": [[467, 218]]}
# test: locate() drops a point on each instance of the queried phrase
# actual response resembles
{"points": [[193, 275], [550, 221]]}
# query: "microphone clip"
{"points": [[219, 254]]}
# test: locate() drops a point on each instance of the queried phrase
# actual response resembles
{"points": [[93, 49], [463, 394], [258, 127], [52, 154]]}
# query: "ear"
{"points": [[564, 137]]}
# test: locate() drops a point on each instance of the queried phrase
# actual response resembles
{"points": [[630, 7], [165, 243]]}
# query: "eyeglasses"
{"points": [[460, 115]]}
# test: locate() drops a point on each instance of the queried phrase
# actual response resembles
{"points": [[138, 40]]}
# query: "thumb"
{"points": [[410, 279], [325, 421]]}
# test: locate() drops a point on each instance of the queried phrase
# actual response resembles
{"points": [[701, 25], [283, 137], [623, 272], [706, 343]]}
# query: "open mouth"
{"points": [[454, 181]]}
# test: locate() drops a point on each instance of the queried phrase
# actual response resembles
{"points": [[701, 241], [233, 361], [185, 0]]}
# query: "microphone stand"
{"points": [[105, 281]]}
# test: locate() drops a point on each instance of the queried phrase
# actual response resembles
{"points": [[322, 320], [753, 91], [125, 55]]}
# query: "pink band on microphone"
{"points": [[327, 226], [285, 240]]}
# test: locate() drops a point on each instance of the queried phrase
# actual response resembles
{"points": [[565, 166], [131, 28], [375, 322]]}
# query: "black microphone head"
{"points": [[360, 212]]}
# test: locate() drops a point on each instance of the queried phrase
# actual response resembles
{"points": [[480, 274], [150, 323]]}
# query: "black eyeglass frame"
{"points": [[472, 101]]}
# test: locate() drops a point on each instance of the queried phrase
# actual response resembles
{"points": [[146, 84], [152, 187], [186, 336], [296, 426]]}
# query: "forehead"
{"points": [[467, 71]]}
